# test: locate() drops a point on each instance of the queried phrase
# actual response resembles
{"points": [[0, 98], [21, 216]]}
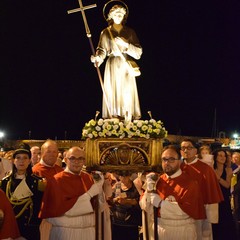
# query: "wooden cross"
{"points": [[82, 9]]}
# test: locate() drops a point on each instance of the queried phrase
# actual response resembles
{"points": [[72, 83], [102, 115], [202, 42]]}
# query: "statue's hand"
{"points": [[96, 60], [122, 42]]}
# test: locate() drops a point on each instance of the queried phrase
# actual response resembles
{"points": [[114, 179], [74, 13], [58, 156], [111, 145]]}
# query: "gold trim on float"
{"points": [[111, 154]]}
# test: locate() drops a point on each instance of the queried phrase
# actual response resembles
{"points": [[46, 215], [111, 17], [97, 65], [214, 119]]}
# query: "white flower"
{"points": [[85, 132], [147, 136], [100, 122], [139, 124], [152, 121], [98, 128], [120, 132], [138, 132], [90, 135], [104, 126], [100, 134], [114, 128]]}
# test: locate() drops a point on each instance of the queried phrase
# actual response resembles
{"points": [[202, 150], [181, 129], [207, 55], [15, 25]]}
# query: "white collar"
{"points": [[68, 171], [43, 163], [176, 174], [194, 161]]}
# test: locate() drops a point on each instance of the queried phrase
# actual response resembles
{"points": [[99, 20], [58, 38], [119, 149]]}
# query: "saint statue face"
{"points": [[117, 14], [117, 17]]}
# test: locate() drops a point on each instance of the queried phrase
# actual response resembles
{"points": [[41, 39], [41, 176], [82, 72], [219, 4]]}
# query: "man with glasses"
{"points": [[178, 200], [67, 203], [209, 186]]}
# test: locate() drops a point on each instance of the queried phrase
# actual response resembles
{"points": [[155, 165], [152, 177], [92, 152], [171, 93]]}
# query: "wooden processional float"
{"points": [[112, 145]]}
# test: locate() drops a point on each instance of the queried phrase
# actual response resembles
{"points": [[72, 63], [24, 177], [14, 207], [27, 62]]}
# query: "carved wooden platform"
{"points": [[113, 154]]}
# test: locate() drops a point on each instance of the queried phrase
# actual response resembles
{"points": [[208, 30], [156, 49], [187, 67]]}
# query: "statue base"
{"points": [[128, 154]]}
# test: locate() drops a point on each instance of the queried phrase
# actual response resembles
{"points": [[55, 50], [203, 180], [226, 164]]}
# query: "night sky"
{"points": [[190, 66]]}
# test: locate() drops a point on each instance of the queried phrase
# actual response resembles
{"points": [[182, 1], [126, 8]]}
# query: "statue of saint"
{"points": [[120, 45]]}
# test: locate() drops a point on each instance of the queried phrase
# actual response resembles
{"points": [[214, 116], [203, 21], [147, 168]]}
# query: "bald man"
{"points": [[67, 201]]}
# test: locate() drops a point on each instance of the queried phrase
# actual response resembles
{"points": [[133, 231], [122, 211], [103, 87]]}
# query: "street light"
{"points": [[235, 135], [1, 135]]}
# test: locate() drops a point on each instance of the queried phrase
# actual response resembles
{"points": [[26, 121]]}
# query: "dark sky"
{"points": [[190, 66]]}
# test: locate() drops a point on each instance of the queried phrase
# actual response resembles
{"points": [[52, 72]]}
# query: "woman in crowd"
{"points": [[125, 209], [24, 191], [225, 229]]}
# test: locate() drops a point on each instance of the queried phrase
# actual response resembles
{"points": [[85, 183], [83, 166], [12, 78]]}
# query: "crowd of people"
{"points": [[197, 196], [46, 194]]}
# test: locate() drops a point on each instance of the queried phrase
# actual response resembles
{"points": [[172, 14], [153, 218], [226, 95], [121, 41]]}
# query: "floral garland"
{"points": [[103, 128]]}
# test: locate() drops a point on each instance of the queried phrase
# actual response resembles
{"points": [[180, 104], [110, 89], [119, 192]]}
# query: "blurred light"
{"points": [[1, 134], [235, 135]]}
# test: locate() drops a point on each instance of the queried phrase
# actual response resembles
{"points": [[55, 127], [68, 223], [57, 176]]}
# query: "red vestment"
{"points": [[9, 228], [45, 171], [206, 177], [186, 193], [62, 192]]}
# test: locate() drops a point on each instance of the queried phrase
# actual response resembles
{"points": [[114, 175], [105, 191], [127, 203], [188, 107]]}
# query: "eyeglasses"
{"points": [[81, 159], [170, 160], [187, 148]]}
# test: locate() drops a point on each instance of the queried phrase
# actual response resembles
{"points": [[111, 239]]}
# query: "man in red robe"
{"points": [[208, 183], [67, 202], [177, 198], [47, 166], [8, 223]]}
